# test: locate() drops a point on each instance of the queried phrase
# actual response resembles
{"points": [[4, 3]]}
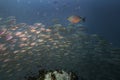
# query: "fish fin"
{"points": [[84, 19]]}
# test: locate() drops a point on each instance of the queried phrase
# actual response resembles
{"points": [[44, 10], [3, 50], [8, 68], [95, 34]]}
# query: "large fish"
{"points": [[76, 19]]}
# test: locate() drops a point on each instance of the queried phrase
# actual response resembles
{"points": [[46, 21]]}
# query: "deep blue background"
{"points": [[103, 16]]}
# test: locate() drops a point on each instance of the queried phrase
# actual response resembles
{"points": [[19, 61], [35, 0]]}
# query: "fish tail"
{"points": [[84, 19]]}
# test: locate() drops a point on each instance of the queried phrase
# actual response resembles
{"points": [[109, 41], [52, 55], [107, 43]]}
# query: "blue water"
{"points": [[102, 18]]}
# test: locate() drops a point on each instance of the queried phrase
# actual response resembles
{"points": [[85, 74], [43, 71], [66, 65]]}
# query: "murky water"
{"points": [[53, 43]]}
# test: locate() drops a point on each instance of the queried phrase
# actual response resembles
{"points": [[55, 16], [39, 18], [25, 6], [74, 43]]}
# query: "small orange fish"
{"points": [[75, 19]]}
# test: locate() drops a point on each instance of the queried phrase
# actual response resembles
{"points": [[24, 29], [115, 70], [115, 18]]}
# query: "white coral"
{"points": [[59, 76]]}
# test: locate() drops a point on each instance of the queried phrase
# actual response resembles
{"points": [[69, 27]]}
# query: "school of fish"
{"points": [[24, 47]]}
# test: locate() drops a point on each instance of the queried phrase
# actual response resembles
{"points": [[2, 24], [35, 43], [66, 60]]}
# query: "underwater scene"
{"points": [[59, 40]]}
